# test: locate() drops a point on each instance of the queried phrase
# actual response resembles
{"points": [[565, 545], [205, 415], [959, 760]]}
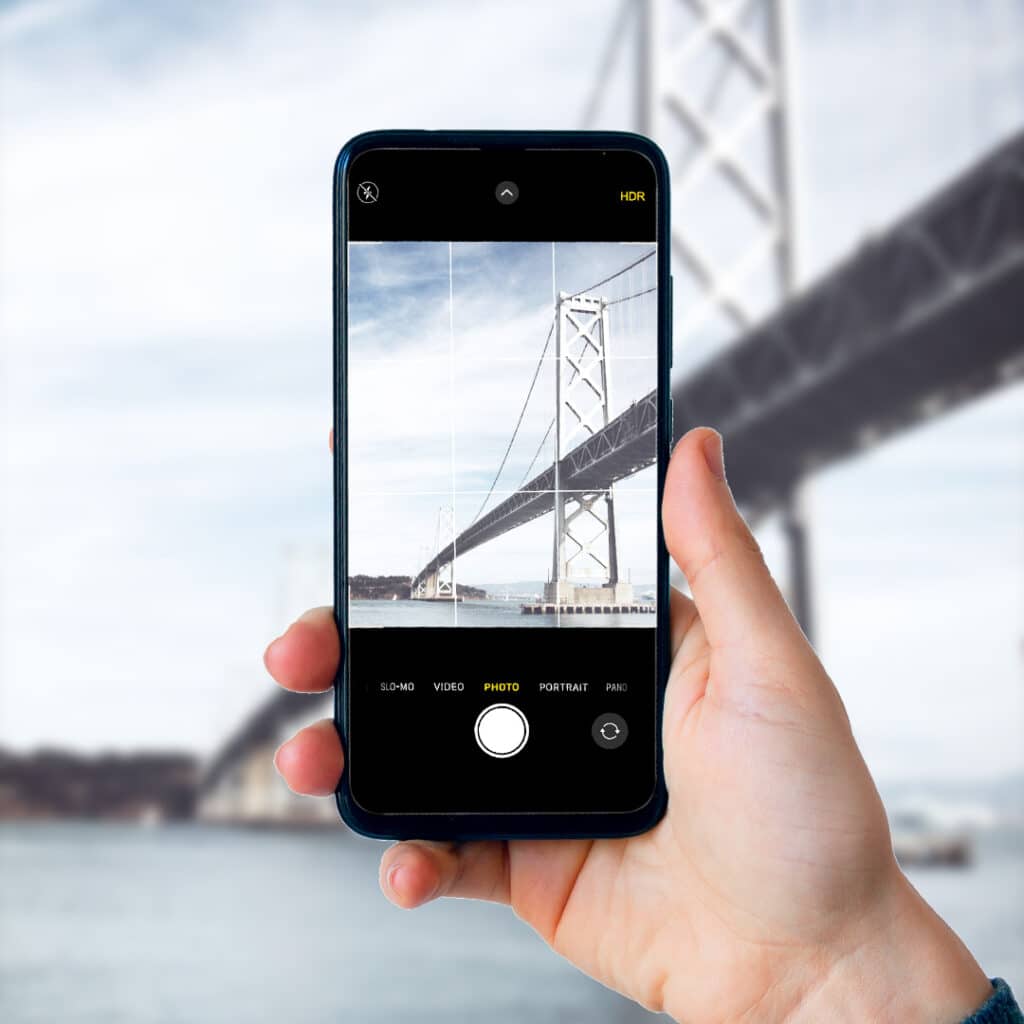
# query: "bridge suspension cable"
{"points": [[536, 374], [635, 295], [618, 273], [519, 422], [536, 454]]}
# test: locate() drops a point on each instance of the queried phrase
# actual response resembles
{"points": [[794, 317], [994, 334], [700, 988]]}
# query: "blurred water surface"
{"points": [[191, 923], [983, 902], [110, 923]]}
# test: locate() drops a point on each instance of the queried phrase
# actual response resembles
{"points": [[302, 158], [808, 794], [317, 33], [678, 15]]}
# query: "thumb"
{"points": [[736, 597]]}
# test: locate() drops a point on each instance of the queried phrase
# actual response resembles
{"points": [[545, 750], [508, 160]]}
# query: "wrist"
{"points": [[902, 964]]}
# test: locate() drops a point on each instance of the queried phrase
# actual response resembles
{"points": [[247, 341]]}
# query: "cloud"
{"points": [[165, 260]]}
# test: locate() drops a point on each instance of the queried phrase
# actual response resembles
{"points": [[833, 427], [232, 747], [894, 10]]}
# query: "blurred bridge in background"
{"points": [[926, 316], [923, 317]]}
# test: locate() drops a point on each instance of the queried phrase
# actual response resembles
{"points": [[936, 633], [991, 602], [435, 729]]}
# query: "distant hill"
{"points": [[60, 784], [379, 588]]}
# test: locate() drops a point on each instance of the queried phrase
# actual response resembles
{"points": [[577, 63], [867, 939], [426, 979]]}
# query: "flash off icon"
{"points": [[367, 192]]}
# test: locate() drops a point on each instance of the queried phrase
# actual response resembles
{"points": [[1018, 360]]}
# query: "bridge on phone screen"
{"points": [[922, 318], [591, 451]]}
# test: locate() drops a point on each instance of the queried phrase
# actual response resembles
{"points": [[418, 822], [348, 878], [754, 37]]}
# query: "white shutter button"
{"points": [[501, 730]]}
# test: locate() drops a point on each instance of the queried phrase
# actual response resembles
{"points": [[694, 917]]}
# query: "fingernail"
{"points": [[393, 872], [273, 643], [277, 754], [270, 647], [713, 454]]}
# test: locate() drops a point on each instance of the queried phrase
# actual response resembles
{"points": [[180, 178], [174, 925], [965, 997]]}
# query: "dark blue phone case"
{"points": [[472, 825]]}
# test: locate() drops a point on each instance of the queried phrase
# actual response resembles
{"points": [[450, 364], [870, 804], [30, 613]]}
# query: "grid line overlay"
{"points": [[451, 422]]}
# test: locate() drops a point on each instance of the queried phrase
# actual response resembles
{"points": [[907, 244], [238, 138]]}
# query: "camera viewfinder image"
{"points": [[502, 420]]}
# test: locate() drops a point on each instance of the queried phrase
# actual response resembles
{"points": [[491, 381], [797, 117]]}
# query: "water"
{"points": [[109, 923], [478, 613], [984, 903]]}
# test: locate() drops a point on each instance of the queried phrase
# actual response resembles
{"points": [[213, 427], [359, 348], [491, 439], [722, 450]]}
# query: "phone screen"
{"points": [[500, 375]]}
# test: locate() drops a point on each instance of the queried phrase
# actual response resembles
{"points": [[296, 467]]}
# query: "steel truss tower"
{"points": [[711, 86], [584, 521], [439, 585]]}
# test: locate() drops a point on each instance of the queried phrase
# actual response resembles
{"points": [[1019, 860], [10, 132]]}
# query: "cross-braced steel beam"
{"points": [[584, 523], [438, 584], [712, 87]]}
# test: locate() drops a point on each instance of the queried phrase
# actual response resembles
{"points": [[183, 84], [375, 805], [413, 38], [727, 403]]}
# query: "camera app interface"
{"points": [[502, 510]]}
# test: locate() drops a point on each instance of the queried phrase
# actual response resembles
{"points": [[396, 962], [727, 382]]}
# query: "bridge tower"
{"points": [[584, 521], [712, 82], [439, 585]]}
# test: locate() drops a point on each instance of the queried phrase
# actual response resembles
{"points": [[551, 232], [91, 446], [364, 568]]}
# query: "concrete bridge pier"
{"points": [[562, 592]]}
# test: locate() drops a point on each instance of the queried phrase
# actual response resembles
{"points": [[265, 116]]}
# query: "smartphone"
{"points": [[502, 428]]}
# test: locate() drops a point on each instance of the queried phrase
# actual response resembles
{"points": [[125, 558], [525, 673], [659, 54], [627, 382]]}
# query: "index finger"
{"points": [[305, 657]]}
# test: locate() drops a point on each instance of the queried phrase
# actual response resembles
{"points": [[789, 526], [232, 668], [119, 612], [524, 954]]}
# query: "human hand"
{"points": [[769, 891]]}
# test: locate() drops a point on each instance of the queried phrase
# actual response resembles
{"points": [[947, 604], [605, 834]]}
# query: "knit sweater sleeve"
{"points": [[1001, 1007]]}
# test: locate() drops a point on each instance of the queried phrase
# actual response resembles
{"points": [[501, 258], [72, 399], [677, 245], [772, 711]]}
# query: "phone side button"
{"points": [[671, 311]]}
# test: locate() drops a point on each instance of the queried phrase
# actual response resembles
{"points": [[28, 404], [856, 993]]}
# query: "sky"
{"points": [[165, 315]]}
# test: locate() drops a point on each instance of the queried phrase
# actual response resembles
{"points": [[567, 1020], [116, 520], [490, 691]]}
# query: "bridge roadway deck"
{"points": [[917, 321]]}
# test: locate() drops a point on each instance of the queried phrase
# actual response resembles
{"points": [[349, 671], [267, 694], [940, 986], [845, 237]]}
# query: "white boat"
{"points": [[918, 839]]}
